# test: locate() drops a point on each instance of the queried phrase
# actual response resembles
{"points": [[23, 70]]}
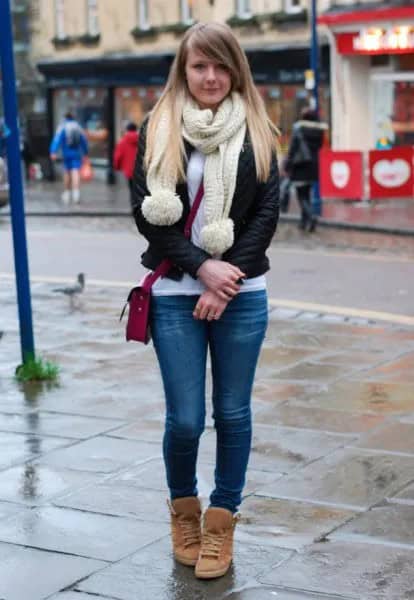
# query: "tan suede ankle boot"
{"points": [[216, 552], [186, 529]]}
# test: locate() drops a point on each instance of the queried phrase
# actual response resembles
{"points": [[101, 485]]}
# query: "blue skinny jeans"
{"points": [[181, 343]]}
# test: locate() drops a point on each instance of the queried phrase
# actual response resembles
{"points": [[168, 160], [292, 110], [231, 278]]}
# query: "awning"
{"points": [[366, 15]]}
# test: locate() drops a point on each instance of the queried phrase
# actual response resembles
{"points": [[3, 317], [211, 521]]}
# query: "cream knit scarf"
{"points": [[220, 137]]}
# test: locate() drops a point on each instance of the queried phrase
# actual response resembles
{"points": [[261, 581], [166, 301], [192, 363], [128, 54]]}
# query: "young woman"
{"points": [[209, 126]]}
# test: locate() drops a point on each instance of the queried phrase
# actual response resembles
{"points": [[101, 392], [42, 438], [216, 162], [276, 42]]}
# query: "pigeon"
{"points": [[73, 290]]}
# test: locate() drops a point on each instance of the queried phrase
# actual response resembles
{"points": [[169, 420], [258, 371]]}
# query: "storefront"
{"points": [[372, 76], [106, 93]]}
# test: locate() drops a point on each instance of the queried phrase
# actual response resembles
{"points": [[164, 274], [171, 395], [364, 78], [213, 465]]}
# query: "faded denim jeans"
{"points": [[181, 343]]}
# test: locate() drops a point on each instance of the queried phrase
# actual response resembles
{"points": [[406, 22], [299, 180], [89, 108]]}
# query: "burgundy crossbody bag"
{"points": [[139, 298]]}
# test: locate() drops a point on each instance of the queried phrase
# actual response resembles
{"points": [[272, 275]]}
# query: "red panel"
{"points": [[367, 15], [391, 172], [340, 175]]}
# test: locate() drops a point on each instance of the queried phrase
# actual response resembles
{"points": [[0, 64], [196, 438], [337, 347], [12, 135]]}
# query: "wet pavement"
{"points": [[329, 502], [395, 215]]}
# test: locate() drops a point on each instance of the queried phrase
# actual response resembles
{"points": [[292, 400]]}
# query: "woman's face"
{"points": [[208, 81]]}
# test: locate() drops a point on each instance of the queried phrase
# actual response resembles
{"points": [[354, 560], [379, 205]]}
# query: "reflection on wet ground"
{"points": [[329, 498]]}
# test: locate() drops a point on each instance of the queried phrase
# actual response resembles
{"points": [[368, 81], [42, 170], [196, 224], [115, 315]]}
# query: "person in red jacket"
{"points": [[125, 154]]}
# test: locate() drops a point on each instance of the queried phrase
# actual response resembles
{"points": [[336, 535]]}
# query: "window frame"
{"points": [[243, 9], [60, 29], [92, 17], [291, 8], [143, 20], [186, 12]]}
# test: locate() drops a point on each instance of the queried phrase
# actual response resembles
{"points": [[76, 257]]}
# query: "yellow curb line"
{"points": [[329, 309], [343, 311]]}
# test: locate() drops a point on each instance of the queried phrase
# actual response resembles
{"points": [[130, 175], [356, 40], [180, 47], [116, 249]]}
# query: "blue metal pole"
{"points": [[314, 64], [314, 54], [16, 187]]}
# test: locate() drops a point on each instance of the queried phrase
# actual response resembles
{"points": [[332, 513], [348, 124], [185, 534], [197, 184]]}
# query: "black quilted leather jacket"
{"points": [[254, 210]]}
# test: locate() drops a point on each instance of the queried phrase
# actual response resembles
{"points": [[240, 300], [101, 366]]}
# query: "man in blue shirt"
{"points": [[71, 140]]}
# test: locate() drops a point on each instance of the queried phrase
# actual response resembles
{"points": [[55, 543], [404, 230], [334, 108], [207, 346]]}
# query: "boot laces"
{"points": [[212, 544], [191, 532]]}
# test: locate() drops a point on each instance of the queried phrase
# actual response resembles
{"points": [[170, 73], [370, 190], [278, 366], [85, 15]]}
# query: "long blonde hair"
{"points": [[218, 43]]}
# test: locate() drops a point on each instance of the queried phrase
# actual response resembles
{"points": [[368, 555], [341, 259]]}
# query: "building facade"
{"points": [[372, 74], [107, 61]]}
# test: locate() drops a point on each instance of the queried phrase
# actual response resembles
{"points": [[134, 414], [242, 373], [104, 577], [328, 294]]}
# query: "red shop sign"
{"points": [[340, 174], [377, 40], [391, 172]]}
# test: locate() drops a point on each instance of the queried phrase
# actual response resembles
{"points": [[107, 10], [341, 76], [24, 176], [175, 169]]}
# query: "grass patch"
{"points": [[37, 369]]}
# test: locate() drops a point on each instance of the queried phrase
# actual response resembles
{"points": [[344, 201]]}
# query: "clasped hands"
{"points": [[220, 279]]}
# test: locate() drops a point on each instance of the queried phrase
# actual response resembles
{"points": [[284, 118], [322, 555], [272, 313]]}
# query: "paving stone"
{"points": [[311, 371], [398, 370], [78, 596], [102, 454], [112, 403], [393, 437], [285, 523], [273, 358], [283, 449], [34, 484], [360, 571], [83, 533], [112, 498], [306, 339], [352, 358], [149, 475], [152, 573], [145, 430], [390, 524], [266, 390], [351, 478], [405, 496], [18, 447], [366, 396], [300, 415], [53, 424], [273, 593], [30, 574], [7, 509]]}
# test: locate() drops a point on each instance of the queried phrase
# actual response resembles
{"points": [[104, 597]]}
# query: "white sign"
{"points": [[391, 173]]}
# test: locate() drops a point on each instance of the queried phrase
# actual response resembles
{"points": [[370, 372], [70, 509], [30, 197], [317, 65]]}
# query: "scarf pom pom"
{"points": [[162, 208], [217, 237]]}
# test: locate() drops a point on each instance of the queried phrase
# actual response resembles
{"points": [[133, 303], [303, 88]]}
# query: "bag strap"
{"points": [[166, 264]]}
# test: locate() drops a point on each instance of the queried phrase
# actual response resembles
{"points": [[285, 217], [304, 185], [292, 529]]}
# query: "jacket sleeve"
{"points": [[168, 240], [56, 142], [117, 156], [257, 235]]}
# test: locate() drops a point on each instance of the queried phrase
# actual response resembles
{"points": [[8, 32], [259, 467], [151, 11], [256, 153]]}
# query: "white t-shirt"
{"points": [[188, 286]]}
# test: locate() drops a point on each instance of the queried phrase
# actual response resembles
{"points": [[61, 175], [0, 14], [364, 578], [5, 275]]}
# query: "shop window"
{"points": [[293, 6], [393, 110], [132, 104], [92, 20], [60, 19], [143, 14], [88, 105], [284, 103], [186, 11], [243, 9]]}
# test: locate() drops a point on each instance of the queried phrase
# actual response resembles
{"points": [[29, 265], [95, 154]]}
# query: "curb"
{"points": [[283, 218]]}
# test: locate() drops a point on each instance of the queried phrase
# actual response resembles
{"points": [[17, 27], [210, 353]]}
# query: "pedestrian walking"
{"points": [[125, 154], [70, 139], [302, 162], [208, 135]]}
